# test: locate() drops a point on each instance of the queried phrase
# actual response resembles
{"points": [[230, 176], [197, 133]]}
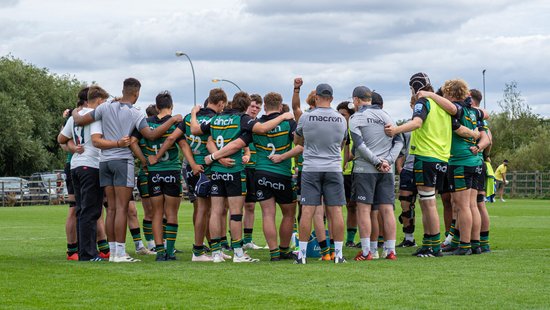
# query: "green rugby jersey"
{"points": [[461, 155], [170, 160], [197, 142], [69, 157], [224, 128], [432, 141], [252, 162], [276, 141]]}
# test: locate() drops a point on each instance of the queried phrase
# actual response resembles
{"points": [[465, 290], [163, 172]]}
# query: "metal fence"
{"points": [[25, 191]]}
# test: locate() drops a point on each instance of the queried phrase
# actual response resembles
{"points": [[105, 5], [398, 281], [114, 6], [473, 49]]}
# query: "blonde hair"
{"points": [[456, 89]]}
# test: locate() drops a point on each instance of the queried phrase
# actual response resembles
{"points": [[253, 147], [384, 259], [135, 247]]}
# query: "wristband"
{"points": [[212, 157]]}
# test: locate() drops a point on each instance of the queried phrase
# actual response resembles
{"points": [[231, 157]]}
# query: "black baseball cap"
{"points": [[324, 90], [419, 81], [362, 92]]}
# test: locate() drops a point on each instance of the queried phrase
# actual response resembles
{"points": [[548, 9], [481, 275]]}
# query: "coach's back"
{"points": [[323, 130]]}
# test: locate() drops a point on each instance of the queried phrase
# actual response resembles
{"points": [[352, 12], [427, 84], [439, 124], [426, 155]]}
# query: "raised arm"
{"points": [[296, 109], [82, 120]]}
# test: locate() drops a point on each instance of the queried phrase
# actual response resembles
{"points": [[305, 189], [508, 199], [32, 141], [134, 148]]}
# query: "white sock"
{"points": [[151, 244], [373, 246], [448, 239], [338, 248], [365, 246], [238, 252], [139, 244], [112, 249], [120, 249], [409, 237], [389, 246], [303, 249]]}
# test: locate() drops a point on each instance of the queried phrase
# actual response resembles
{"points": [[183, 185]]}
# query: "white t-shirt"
{"points": [[83, 135]]}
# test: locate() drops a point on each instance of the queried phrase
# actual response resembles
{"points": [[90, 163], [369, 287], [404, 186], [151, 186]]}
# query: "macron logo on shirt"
{"points": [[319, 118]]}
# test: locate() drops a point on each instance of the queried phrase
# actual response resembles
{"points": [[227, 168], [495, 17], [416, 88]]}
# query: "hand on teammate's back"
{"points": [[246, 159], [288, 116], [226, 162], [276, 158], [152, 159], [177, 118], [389, 130], [124, 142]]}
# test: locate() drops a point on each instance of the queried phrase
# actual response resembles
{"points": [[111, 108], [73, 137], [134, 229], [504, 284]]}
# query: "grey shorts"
{"points": [[329, 185], [119, 172], [374, 188]]}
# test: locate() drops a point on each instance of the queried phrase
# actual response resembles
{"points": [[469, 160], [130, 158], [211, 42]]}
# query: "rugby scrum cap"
{"points": [[323, 90], [362, 92], [419, 81]]}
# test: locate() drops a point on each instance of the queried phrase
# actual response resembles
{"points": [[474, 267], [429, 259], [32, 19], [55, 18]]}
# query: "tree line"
{"points": [[32, 100]]}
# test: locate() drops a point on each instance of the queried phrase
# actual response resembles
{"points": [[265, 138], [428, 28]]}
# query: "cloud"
{"points": [[8, 3]]}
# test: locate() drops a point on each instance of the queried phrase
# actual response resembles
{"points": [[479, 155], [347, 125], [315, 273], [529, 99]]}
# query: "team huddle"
{"points": [[311, 163]]}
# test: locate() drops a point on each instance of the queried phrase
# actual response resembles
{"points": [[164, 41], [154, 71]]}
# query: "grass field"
{"points": [[35, 274]]}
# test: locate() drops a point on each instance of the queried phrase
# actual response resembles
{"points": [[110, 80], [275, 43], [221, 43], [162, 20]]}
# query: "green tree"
{"points": [[519, 135], [31, 104]]}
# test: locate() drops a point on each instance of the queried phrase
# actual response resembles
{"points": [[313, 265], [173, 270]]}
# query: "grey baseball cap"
{"points": [[362, 92], [323, 90]]}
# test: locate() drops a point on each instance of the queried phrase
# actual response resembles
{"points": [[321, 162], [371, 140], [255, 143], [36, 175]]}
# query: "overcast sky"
{"points": [[263, 44]]}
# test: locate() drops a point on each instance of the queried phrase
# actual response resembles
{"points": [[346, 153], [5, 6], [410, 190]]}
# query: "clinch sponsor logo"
{"points": [[223, 122], [441, 168], [222, 176], [319, 118], [157, 178], [273, 185]]}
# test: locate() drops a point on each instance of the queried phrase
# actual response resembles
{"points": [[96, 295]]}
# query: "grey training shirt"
{"points": [[370, 142], [118, 120], [323, 130], [409, 158]]}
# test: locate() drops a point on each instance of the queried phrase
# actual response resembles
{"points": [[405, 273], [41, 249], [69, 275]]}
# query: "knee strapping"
{"points": [[480, 198], [409, 198], [427, 195], [236, 217], [406, 215], [409, 229]]}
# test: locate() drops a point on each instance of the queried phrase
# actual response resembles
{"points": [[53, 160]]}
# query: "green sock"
{"points": [[73, 248], [275, 253], [247, 235], [324, 247], [148, 230], [475, 244], [223, 241], [465, 245], [436, 242], [216, 244], [198, 250], [456, 239], [171, 234], [352, 231], [103, 246], [331, 250], [164, 221], [484, 240], [284, 250], [426, 242], [136, 235], [380, 239], [452, 229], [236, 243], [161, 251]]}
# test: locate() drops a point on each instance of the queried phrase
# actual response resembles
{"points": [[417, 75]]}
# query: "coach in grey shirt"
{"points": [[373, 184], [116, 167], [322, 133]]}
